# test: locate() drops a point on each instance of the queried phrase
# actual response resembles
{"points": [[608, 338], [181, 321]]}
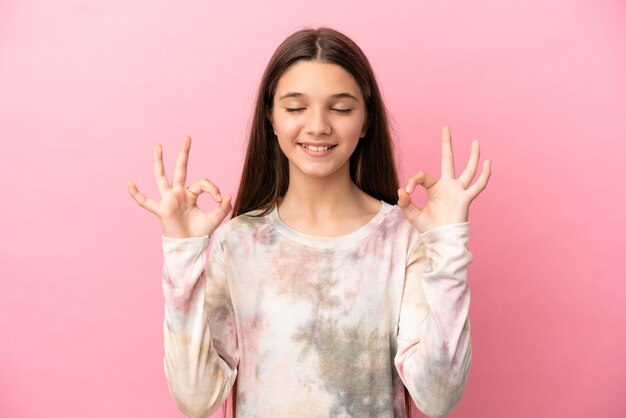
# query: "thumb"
{"points": [[226, 201], [406, 204], [226, 204], [217, 215]]}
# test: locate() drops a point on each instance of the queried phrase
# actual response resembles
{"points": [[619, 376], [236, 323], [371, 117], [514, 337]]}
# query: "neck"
{"points": [[318, 197]]}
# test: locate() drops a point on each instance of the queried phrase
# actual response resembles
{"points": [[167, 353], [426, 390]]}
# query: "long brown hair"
{"points": [[265, 176]]}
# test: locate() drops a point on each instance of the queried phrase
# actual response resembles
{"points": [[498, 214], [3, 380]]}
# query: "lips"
{"points": [[320, 148], [317, 151], [317, 144]]}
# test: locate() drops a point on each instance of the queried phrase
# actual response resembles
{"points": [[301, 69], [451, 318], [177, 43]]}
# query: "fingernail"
{"points": [[408, 189], [219, 197]]}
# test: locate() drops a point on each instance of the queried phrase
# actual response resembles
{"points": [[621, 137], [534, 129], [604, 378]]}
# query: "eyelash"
{"points": [[291, 110]]}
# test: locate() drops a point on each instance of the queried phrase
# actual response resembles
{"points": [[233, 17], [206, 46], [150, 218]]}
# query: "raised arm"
{"points": [[434, 349], [201, 353], [200, 365], [434, 352]]}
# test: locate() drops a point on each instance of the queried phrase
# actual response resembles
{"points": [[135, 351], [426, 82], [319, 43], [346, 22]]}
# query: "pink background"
{"points": [[87, 88]]}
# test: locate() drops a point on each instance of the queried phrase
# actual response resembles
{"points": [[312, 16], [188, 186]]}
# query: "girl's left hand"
{"points": [[448, 198]]}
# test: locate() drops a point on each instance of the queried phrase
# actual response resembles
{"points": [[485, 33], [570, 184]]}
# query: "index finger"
{"points": [[447, 156], [159, 171], [180, 172]]}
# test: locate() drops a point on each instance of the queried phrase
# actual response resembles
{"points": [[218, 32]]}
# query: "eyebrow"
{"points": [[334, 96]]}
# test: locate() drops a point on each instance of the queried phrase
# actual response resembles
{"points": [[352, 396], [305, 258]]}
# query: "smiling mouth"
{"points": [[317, 149]]}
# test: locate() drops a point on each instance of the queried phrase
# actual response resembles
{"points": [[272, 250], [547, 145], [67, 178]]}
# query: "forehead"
{"points": [[317, 79]]}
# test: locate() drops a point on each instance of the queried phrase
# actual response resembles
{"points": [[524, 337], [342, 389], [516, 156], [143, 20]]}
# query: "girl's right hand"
{"points": [[178, 211]]}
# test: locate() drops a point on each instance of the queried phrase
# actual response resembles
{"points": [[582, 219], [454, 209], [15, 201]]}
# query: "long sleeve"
{"points": [[434, 349], [201, 353]]}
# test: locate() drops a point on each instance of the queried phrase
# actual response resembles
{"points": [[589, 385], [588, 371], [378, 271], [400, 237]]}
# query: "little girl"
{"points": [[328, 293]]}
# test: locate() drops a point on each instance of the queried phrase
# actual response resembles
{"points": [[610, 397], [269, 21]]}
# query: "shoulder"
{"points": [[395, 215], [396, 227], [395, 219], [252, 226]]}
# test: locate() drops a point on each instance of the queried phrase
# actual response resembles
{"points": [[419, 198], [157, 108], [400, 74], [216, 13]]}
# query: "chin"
{"points": [[318, 172]]}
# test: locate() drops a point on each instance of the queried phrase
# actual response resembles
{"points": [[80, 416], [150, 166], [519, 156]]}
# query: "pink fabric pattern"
{"points": [[321, 326]]}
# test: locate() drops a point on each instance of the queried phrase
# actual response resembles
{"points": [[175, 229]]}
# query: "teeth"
{"points": [[317, 149]]}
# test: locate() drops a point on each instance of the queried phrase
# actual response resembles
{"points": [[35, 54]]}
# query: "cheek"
{"points": [[286, 123], [350, 127], [291, 125]]}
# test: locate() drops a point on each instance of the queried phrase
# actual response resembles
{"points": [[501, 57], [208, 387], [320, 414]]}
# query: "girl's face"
{"points": [[318, 105]]}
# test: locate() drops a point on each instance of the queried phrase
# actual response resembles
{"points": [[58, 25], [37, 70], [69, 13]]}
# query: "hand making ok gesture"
{"points": [[449, 197], [178, 211]]}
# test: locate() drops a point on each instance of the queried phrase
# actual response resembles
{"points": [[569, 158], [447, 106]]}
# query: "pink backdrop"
{"points": [[87, 88]]}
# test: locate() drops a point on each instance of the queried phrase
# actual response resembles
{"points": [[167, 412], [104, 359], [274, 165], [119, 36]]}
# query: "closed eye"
{"points": [[293, 109]]}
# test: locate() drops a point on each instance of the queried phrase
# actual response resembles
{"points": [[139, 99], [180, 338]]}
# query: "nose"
{"points": [[317, 123]]}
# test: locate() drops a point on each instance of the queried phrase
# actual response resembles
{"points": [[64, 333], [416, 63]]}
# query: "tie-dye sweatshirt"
{"points": [[317, 326]]}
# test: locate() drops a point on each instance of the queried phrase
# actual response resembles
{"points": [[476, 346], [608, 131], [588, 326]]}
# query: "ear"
{"points": [[268, 115], [365, 127]]}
